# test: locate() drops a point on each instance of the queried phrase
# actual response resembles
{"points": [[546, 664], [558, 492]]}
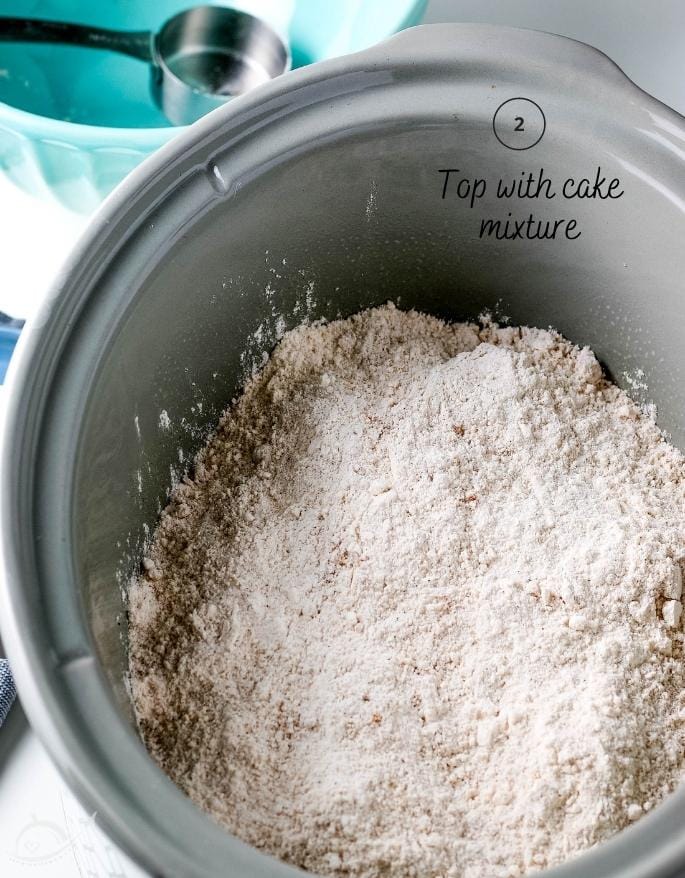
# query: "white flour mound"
{"points": [[418, 611]]}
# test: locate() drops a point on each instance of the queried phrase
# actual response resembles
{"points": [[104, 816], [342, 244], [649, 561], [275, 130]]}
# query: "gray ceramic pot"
{"points": [[324, 192]]}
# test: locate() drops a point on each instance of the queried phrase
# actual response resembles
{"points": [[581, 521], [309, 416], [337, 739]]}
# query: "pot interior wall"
{"points": [[340, 226]]}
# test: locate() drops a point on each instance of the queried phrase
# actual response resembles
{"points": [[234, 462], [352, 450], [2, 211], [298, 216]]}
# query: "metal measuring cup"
{"points": [[199, 58]]}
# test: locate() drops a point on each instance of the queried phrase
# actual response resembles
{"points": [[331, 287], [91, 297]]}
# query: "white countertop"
{"points": [[44, 832]]}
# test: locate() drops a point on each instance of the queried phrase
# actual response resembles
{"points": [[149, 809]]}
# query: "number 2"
{"points": [[519, 123]]}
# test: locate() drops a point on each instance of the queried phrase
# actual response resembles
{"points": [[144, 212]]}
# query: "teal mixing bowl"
{"points": [[74, 122]]}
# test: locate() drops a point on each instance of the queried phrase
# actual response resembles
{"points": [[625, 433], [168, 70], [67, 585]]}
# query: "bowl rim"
{"points": [[80, 135]]}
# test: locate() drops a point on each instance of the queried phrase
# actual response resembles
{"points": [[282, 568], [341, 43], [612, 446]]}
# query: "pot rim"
{"points": [[124, 790]]}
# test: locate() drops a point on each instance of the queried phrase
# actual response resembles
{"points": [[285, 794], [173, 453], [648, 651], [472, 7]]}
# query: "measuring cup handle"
{"points": [[137, 44]]}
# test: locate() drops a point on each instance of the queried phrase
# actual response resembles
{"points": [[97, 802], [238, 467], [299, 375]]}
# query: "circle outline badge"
{"points": [[519, 148]]}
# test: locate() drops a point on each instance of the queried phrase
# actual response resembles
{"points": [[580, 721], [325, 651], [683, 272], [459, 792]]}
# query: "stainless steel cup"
{"points": [[206, 55], [199, 59]]}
